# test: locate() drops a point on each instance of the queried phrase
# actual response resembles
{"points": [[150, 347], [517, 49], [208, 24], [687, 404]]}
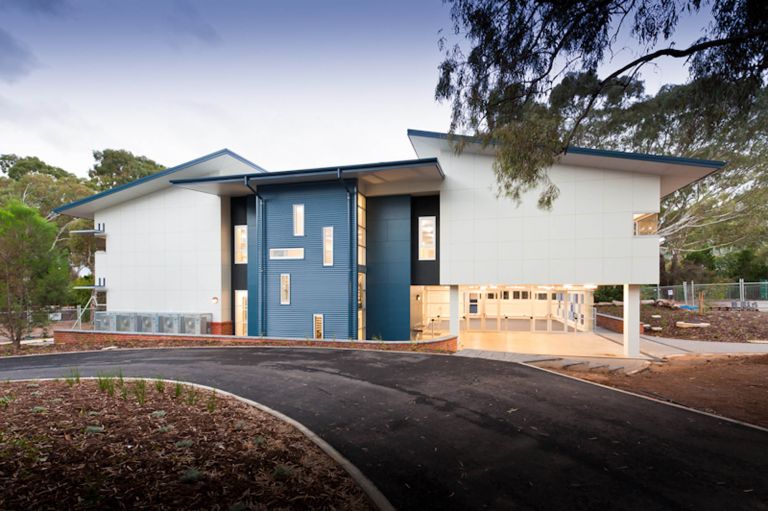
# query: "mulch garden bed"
{"points": [[725, 326], [730, 386], [145, 444]]}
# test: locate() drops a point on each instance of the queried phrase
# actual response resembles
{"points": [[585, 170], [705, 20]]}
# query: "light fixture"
{"points": [[215, 300]]}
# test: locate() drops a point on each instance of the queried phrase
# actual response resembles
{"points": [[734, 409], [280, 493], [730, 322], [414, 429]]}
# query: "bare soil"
{"points": [[730, 386], [725, 326], [84, 445]]}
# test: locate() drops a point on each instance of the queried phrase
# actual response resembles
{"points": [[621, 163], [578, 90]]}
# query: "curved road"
{"points": [[442, 432]]}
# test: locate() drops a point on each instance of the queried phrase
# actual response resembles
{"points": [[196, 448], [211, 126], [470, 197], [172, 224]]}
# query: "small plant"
{"points": [[123, 392], [164, 429], [158, 414], [120, 379], [191, 475], [5, 401], [160, 385], [33, 385], [140, 391], [192, 396], [184, 444], [177, 390], [258, 440], [239, 425], [74, 377], [211, 404], [94, 430], [282, 472], [106, 383], [39, 409]]}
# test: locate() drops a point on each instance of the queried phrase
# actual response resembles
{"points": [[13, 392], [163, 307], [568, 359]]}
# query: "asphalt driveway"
{"points": [[441, 432]]}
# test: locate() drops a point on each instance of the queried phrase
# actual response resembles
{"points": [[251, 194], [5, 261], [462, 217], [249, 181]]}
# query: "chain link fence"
{"points": [[733, 295]]}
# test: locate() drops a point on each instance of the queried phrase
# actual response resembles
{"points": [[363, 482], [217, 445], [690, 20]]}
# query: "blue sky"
{"points": [[288, 84]]}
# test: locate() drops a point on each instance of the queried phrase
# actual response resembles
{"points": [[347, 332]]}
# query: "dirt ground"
{"points": [[725, 326], [126, 445], [730, 386]]}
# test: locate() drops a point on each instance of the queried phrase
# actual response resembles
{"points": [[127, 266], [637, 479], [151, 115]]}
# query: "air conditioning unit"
{"points": [[195, 323], [104, 321], [146, 323], [168, 323], [125, 322]]}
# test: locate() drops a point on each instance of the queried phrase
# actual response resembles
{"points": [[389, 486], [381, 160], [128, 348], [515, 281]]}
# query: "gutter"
{"points": [[352, 245]]}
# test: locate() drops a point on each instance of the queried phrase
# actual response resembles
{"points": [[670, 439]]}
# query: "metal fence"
{"points": [[721, 294]]}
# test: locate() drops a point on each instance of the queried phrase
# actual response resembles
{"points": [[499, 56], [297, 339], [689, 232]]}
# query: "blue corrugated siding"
{"points": [[315, 289], [389, 267]]}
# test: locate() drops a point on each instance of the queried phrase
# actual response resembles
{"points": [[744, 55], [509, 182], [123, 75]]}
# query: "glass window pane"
{"points": [[285, 289], [327, 246], [317, 320], [286, 253], [241, 244], [241, 312], [646, 224], [427, 238], [298, 219]]}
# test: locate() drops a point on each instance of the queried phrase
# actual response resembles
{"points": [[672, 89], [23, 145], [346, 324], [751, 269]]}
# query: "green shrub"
{"points": [[140, 391], [184, 444], [159, 385], [94, 430], [191, 475]]}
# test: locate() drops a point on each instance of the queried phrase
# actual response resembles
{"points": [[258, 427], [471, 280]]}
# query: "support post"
{"points": [[631, 320], [453, 308]]}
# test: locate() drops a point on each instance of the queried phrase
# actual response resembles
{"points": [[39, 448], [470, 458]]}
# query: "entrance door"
{"points": [[241, 312]]}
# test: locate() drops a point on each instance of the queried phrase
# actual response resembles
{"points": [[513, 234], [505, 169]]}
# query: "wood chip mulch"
{"points": [[86, 444]]}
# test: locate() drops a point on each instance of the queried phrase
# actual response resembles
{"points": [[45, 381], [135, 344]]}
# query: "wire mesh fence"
{"points": [[741, 295]]}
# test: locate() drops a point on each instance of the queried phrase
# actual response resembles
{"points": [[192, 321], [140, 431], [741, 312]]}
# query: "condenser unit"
{"points": [[194, 323], [104, 321], [125, 322], [168, 323], [146, 323]]}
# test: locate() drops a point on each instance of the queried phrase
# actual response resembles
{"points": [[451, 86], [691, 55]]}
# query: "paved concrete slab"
{"points": [[447, 432], [584, 344]]}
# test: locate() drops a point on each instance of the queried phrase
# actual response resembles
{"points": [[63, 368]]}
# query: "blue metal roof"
{"points": [[157, 175], [675, 160]]}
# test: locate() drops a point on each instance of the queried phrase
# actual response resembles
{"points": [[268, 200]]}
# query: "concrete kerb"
{"points": [[668, 403], [372, 492]]}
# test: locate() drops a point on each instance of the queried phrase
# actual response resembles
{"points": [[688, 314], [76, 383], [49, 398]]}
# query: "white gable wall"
{"points": [[167, 252], [587, 238]]}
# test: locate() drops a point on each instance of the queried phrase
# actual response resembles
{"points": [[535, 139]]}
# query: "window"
{"points": [[286, 253], [241, 312], [427, 235], [285, 289], [298, 219], [241, 244], [541, 296], [361, 306], [362, 223], [491, 296], [646, 224], [327, 246], [519, 295], [505, 295], [317, 325]]}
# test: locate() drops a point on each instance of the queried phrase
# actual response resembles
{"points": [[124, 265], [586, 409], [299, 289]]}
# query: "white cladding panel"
{"points": [[587, 237], [167, 252]]}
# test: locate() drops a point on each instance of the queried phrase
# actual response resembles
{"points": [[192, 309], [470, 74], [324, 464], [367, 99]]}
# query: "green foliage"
{"points": [[140, 391], [191, 475], [106, 383], [608, 293], [744, 264], [282, 472], [178, 388], [115, 167], [73, 377], [211, 403], [184, 444], [94, 430], [33, 274], [16, 167], [159, 385], [5, 401], [39, 409], [158, 414], [192, 396], [509, 57]]}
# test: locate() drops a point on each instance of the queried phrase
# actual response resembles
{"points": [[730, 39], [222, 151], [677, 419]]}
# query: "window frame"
{"points": [[272, 256], [314, 326], [243, 229], [299, 227], [285, 294], [639, 217], [423, 246], [327, 250]]}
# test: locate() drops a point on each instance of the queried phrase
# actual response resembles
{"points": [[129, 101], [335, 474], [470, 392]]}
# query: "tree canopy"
{"points": [[34, 272], [115, 167], [500, 77]]}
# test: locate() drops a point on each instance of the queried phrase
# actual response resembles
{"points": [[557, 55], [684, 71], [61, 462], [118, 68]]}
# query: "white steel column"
{"points": [[631, 320], [453, 309]]}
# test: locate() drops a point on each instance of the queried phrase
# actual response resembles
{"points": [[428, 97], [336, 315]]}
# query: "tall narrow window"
{"points": [[298, 219], [241, 244], [327, 246], [427, 238], [241, 312], [361, 229], [317, 325], [285, 289]]}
